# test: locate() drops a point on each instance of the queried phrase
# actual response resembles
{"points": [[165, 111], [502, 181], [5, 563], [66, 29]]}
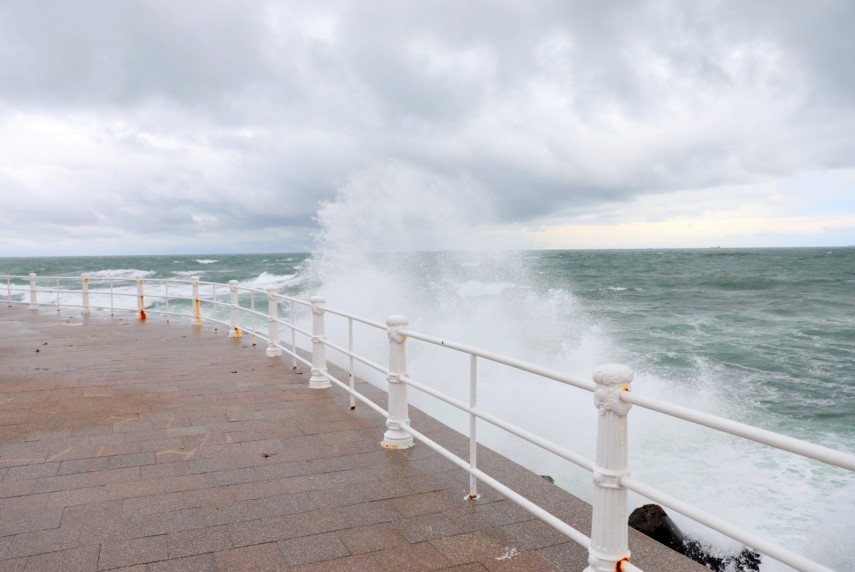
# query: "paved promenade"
{"points": [[154, 446]]}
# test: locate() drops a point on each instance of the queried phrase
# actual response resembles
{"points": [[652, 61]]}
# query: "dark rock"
{"points": [[651, 520]]}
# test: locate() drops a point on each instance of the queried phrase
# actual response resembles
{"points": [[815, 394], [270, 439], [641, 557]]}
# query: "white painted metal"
{"points": [[197, 302], [395, 436], [34, 297], [140, 299], [85, 297], [609, 536], [272, 323], [373, 365], [293, 336], [473, 426], [574, 458], [350, 378], [511, 494], [234, 331], [505, 360], [318, 379], [758, 543], [782, 442]]}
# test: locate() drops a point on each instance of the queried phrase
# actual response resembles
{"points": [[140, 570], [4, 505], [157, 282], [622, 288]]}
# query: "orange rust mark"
{"points": [[472, 496], [625, 388], [237, 332], [619, 564], [142, 314]]}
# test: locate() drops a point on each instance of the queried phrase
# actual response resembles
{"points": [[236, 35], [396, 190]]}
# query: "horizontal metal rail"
{"points": [[574, 458], [355, 318], [505, 360], [372, 364], [754, 541], [769, 438], [511, 494]]}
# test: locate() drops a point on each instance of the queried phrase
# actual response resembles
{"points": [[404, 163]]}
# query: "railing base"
{"points": [[318, 381]]}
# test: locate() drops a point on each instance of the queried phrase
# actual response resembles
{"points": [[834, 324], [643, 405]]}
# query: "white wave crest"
{"points": [[267, 280], [129, 273], [206, 261]]}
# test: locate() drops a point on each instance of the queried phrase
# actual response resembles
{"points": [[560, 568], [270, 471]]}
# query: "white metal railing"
{"points": [[611, 386]]}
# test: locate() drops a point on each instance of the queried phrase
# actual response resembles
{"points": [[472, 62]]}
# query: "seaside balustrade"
{"points": [[235, 308]]}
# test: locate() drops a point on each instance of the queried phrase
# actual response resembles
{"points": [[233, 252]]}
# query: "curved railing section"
{"points": [[236, 308]]}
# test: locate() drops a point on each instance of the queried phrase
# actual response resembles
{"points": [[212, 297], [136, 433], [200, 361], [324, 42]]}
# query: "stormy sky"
{"points": [[132, 127]]}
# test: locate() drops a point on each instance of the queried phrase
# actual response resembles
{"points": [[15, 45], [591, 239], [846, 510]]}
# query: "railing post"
{"points": [[197, 304], [234, 332], [319, 350], [272, 325], [395, 437], [86, 309], [34, 297], [140, 299], [609, 536]]}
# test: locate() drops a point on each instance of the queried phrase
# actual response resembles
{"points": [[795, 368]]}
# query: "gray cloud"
{"points": [[172, 118]]}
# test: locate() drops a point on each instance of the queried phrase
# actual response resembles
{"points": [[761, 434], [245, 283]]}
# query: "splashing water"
{"points": [[401, 240]]}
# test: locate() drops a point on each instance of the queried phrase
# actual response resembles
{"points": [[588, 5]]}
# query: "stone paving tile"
{"points": [[164, 470], [369, 513], [308, 549], [469, 547], [259, 531], [371, 538], [424, 503], [427, 527], [238, 512], [256, 558], [28, 503], [421, 557], [83, 465], [14, 565], [198, 541], [83, 559], [514, 561], [153, 487], [198, 563], [471, 567], [31, 471], [17, 488], [358, 563], [73, 497], [130, 552], [478, 516], [132, 460], [42, 541], [565, 556], [528, 535], [315, 522]]}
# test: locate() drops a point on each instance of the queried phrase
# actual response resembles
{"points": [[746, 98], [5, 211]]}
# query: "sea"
{"points": [[761, 336]]}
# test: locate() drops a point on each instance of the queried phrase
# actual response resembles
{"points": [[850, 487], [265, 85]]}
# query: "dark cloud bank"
{"points": [[206, 121]]}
